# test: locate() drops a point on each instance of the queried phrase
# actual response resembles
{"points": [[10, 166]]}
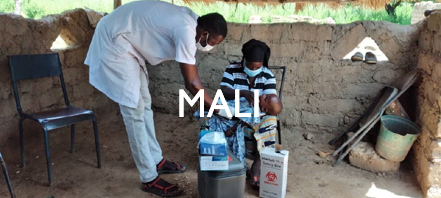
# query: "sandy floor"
{"points": [[76, 175]]}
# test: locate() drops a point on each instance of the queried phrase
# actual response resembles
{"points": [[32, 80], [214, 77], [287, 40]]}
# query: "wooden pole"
{"points": [[18, 7], [116, 3]]}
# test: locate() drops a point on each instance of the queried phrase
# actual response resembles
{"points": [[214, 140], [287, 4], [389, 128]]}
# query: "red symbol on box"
{"points": [[271, 176]]}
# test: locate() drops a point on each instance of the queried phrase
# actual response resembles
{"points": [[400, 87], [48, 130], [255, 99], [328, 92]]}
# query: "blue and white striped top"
{"points": [[235, 78]]}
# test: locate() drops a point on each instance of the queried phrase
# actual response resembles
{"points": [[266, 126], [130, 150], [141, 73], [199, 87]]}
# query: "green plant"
{"points": [[33, 11], [238, 13], [7, 6]]}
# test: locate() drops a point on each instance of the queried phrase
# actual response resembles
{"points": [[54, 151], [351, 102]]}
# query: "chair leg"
{"points": [[97, 142], [279, 132], [48, 157], [5, 172], [72, 138], [20, 128]]}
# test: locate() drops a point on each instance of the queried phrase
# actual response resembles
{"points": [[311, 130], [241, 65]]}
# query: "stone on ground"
{"points": [[364, 156]]}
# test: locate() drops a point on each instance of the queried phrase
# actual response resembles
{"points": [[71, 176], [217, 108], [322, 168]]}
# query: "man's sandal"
{"points": [[162, 188], [167, 167]]}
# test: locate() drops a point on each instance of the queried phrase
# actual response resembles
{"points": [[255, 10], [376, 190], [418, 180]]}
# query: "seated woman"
{"points": [[251, 74]]}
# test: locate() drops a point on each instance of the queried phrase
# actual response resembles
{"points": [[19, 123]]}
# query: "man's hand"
{"points": [[248, 95], [193, 83]]}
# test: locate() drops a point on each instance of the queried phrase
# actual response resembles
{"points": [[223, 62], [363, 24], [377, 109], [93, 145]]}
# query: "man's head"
{"points": [[211, 29], [270, 104]]}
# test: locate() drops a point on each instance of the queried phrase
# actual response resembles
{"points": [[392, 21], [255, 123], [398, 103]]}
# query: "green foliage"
{"points": [[346, 13], [349, 13], [39, 8], [32, 10], [7, 6], [239, 13]]}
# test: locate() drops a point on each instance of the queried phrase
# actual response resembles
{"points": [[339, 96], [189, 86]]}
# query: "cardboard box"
{"points": [[212, 149], [213, 156], [213, 163], [274, 173]]}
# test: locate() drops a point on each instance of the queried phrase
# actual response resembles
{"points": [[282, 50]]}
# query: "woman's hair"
{"points": [[256, 51], [214, 23]]}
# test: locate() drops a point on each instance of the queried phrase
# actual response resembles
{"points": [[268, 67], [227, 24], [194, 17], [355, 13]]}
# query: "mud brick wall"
{"points": [[322, 92], [26, 36], [427, 149], [420, 8]]}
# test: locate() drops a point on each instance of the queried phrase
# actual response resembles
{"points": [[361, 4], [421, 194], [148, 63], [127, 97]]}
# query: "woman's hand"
{"points": [[248, 95], [229, 132]]}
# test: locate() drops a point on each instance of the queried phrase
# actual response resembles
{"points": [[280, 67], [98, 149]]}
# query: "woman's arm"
{"points": [[230, 94]]}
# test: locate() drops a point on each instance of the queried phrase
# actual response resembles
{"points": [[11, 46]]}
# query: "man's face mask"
{"points": [[207, 47]]}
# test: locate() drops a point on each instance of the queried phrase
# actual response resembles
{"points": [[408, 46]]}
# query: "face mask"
{"points": [[207, 48], [252, 73]]}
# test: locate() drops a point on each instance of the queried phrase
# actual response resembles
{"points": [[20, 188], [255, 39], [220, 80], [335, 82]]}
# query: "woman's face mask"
{"points": [[252, 73], [207, 47]]}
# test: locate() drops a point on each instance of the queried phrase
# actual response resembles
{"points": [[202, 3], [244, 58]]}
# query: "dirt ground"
{"points": [[76, 175]]}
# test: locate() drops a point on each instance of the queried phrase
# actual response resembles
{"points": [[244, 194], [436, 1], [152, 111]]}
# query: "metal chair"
{"points": [[6, 174], [283, 68], [250, 143], [48, 65]]}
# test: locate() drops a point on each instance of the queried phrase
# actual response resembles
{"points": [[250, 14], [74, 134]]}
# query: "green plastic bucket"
{"points": [[396, 137]]}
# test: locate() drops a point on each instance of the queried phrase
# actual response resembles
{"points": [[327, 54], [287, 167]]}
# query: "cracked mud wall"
{"points": [[427, 149], [322, 92]]}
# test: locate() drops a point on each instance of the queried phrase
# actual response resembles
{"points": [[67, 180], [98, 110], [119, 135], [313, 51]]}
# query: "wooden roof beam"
{"points": [[116, 3]]}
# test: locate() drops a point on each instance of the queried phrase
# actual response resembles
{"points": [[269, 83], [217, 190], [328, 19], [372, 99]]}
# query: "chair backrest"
{"points": [[35, 66], [282, 81]]}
